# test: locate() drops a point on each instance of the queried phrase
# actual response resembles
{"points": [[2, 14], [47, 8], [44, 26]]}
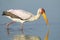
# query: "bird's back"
{"points": [[21, 13]]}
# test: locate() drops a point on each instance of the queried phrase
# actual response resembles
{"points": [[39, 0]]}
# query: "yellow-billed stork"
{"points": [[24, 16]]}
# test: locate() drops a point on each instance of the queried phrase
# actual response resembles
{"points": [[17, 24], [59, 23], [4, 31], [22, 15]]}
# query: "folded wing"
{"points": [[21, 13]]}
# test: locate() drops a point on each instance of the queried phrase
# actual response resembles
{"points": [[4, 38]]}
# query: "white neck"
{"points": [[37, 16]]}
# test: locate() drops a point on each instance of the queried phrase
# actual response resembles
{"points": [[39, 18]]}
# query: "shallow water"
{"points": [[35, 31]]}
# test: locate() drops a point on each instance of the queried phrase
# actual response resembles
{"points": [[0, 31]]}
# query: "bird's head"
{"points": [[43, 13]]}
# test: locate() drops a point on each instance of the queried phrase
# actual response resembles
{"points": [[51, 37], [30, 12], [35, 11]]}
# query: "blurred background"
{"points": [[37, 28]]}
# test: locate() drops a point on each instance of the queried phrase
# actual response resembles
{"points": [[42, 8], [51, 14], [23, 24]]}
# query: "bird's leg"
{"points": [[21, 28], [7, 26]]}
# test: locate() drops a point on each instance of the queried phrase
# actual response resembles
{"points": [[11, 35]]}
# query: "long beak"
{"points": [[45, 18], [47, 35]]}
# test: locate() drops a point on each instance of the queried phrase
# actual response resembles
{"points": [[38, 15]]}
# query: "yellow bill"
{"points": [[45, 18], [47, 35]]}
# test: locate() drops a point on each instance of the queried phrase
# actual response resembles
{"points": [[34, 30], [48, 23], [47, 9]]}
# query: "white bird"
{"points": [[24, 16]]}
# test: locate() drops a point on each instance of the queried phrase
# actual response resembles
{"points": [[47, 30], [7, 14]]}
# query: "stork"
{"points": [[23, 16]]}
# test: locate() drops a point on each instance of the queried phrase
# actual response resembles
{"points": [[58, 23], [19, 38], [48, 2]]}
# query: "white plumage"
{"points": [[25, 15], [21, 13]]}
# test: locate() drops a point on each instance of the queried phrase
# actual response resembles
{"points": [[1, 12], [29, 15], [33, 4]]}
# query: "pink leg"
{"points": [[7, 26], [22, 28]]}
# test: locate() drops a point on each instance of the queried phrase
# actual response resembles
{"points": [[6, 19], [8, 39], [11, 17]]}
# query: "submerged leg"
{"points": [[22, 28], [7, 26]]}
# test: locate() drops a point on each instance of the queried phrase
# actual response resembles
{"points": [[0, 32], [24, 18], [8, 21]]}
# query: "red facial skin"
{"points": [[42, 11]]}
